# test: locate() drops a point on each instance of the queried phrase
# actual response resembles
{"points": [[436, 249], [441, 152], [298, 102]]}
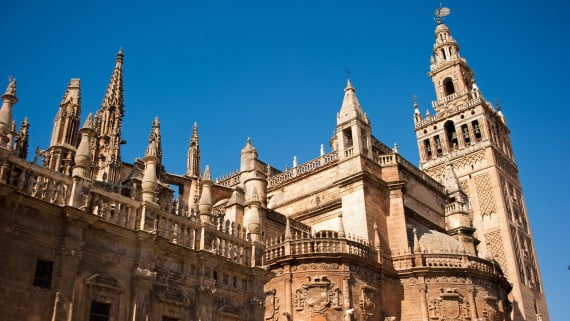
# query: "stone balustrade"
{"points": [[302, 169], [455, 207], [443, 261], [36, 181], [228, 180], [428, 120], [325, 242], [174, 223]]}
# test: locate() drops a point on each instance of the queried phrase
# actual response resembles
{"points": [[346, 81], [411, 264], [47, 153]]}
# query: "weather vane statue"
{"points": [[440, 13]]}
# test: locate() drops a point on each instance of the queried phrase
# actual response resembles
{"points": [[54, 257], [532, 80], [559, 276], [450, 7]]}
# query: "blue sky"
{"points": [[274, 70]]}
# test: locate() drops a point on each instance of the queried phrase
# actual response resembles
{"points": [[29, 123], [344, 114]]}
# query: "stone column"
{"points": [[346, 297], [472, 304], [288, 290], [423, 302]]}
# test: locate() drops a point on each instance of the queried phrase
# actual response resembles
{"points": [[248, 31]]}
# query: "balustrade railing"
{"points": [[325, 242], [302, 169], [443, 261], [36, 181]]}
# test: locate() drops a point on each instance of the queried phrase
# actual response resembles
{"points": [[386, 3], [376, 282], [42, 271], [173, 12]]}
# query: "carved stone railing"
{"points": [[36, 181], [302, 169], [325, 242], [455, 207], [442, 261], [113, 208], [173, 222], [428, 120], [228, 180], [448, 98]]}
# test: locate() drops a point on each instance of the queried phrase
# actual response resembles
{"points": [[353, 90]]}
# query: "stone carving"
{"points": [[318, 295], [367, 302], [448, 306], [271, 306], [490, 311]]}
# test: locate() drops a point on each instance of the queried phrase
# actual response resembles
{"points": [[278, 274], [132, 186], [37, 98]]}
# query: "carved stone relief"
{"points": [[367, 302], [448, 306], [318, 295], [271, 306]]}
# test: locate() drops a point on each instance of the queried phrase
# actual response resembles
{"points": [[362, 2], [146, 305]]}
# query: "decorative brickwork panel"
{"points": [[484, 190], [470, 160], [495, 246]]}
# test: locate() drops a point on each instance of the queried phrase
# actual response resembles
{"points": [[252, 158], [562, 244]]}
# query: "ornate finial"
{"points": [[341, 232], [154, 148], [348, 73], [11, 89], [287, 228], [88, 122], [417, 247], [207, 176], [395, 149]]}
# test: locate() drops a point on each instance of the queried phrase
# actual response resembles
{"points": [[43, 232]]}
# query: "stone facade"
{"points": [[355, 234]]}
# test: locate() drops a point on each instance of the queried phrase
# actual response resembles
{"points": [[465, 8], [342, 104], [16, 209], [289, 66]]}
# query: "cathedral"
{"points": [[355, 234]]}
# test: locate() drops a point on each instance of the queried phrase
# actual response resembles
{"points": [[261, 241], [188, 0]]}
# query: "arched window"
{"points": [[448, 87], [451, 135]]}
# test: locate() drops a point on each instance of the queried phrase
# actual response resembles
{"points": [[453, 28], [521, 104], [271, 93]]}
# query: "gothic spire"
{"points": [[114, 95], [193, 156], [67, 119], [350, 106]]}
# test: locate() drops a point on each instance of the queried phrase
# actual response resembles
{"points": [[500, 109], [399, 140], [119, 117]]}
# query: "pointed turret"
{"points": [[8, 101], [193, 156], [353, 132], [152, 160], [108, 122], [66, 123], [65, 138], [350, 106]]}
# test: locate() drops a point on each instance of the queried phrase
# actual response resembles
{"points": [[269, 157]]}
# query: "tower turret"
{"points": [[108, 122], [64, 138], [353, 133]]}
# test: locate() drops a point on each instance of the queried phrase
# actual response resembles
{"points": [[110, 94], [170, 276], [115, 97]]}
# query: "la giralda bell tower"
{"points": [[470, 134]]}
